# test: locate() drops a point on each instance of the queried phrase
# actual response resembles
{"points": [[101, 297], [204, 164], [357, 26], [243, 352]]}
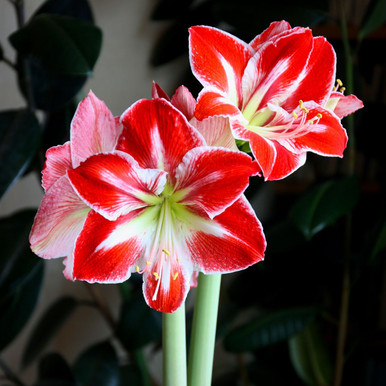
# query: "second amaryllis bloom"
{"points": [[278, 92], [164, 205]]}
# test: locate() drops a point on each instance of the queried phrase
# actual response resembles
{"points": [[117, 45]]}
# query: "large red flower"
{"points": [[62, 213], [165, 205], [277, 91]]}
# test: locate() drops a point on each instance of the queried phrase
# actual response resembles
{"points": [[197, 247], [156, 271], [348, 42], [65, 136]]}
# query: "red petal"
{"points": [[58, 221], [184, 101], [327, 137], [274, 29], [241, 244], [211, 103], [317, 78], [213, 178], [106, 250], [113, 184], [93, 130], [173, 286], [157, 92], [218, 59], [157, 135], [58, 161], [273, 73]]}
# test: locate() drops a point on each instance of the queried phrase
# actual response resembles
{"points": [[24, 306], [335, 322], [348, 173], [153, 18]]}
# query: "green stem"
{"points": [[204, 330], [174, 348]]}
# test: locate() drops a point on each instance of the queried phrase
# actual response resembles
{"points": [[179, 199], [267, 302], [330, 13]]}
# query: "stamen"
{"points": [[294, 114], [156, 275], [319, 115], [302, 107], [340, 83], [166, 251], [342, 89], [175, 276], [137, 268]]}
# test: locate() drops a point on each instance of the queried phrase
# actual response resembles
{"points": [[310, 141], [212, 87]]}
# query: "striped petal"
{"points": [[113, 184], [58, 221], [232, 241], [213, 178], [343, 105], [274, 29], [218, 59], [58, 161], [107, 251], [93, 129], [157, 135], [184, 101]]}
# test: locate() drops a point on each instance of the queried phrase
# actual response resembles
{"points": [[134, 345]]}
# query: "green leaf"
{"points": [[131, 375], [139, 324], [269, 329], [54, 371], [310, 357], [79, 9], [98, 366], [19, 140], [21, 274], [66, 45], [324, 204], [48, 325], [376, 18]]}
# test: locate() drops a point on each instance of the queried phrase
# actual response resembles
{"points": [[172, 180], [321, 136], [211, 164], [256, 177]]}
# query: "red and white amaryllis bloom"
{"points": [[62, 212], [164, 205], [278, 92]]}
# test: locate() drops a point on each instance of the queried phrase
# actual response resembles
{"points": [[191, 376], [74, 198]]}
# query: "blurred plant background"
{"points": [[313, 313]]}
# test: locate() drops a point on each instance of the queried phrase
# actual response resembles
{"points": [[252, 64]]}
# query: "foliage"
{"points": [[285, 312]]}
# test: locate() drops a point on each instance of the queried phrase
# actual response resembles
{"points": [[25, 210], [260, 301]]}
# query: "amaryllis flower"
{"points": [[164, 205], [62, 212], [276, 90]]}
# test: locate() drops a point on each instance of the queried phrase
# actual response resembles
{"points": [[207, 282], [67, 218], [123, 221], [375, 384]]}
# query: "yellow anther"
{"points": [[294, 114], [156, 275], [319, 115], [166, 251], [305, 110], [339, 82], [175, 276], [148, 262], [137, 268], [301, 103], [342, 89], [302, 107], [178, 259]]}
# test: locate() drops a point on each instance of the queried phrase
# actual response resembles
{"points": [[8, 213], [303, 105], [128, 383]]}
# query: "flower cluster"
{"points": [[160, 190]]}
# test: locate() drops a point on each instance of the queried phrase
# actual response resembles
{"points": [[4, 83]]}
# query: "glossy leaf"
{"points": [[21, 274], [376, 17], [79, 9], [19, 140], [269, 329], [98, 366], [310, 357], [324, 204], [138, 324], [65, 45], [48, 325], [54, 371]]}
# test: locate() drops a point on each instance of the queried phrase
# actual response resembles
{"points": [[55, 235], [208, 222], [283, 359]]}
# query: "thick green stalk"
{"points": [[204, 330], [174, 348]]}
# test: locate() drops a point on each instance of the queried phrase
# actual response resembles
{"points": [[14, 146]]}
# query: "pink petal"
{"points": [[317, 77], [241, 244], [58, 161], [184, 101], [211, 103], [274, 29], [167, 291], [93, 129], [275, 70], [344, 104], [157, 135], [216, 131], [218, 59], [113, 184], [213, 178], [106, 251], [58, 221]]}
